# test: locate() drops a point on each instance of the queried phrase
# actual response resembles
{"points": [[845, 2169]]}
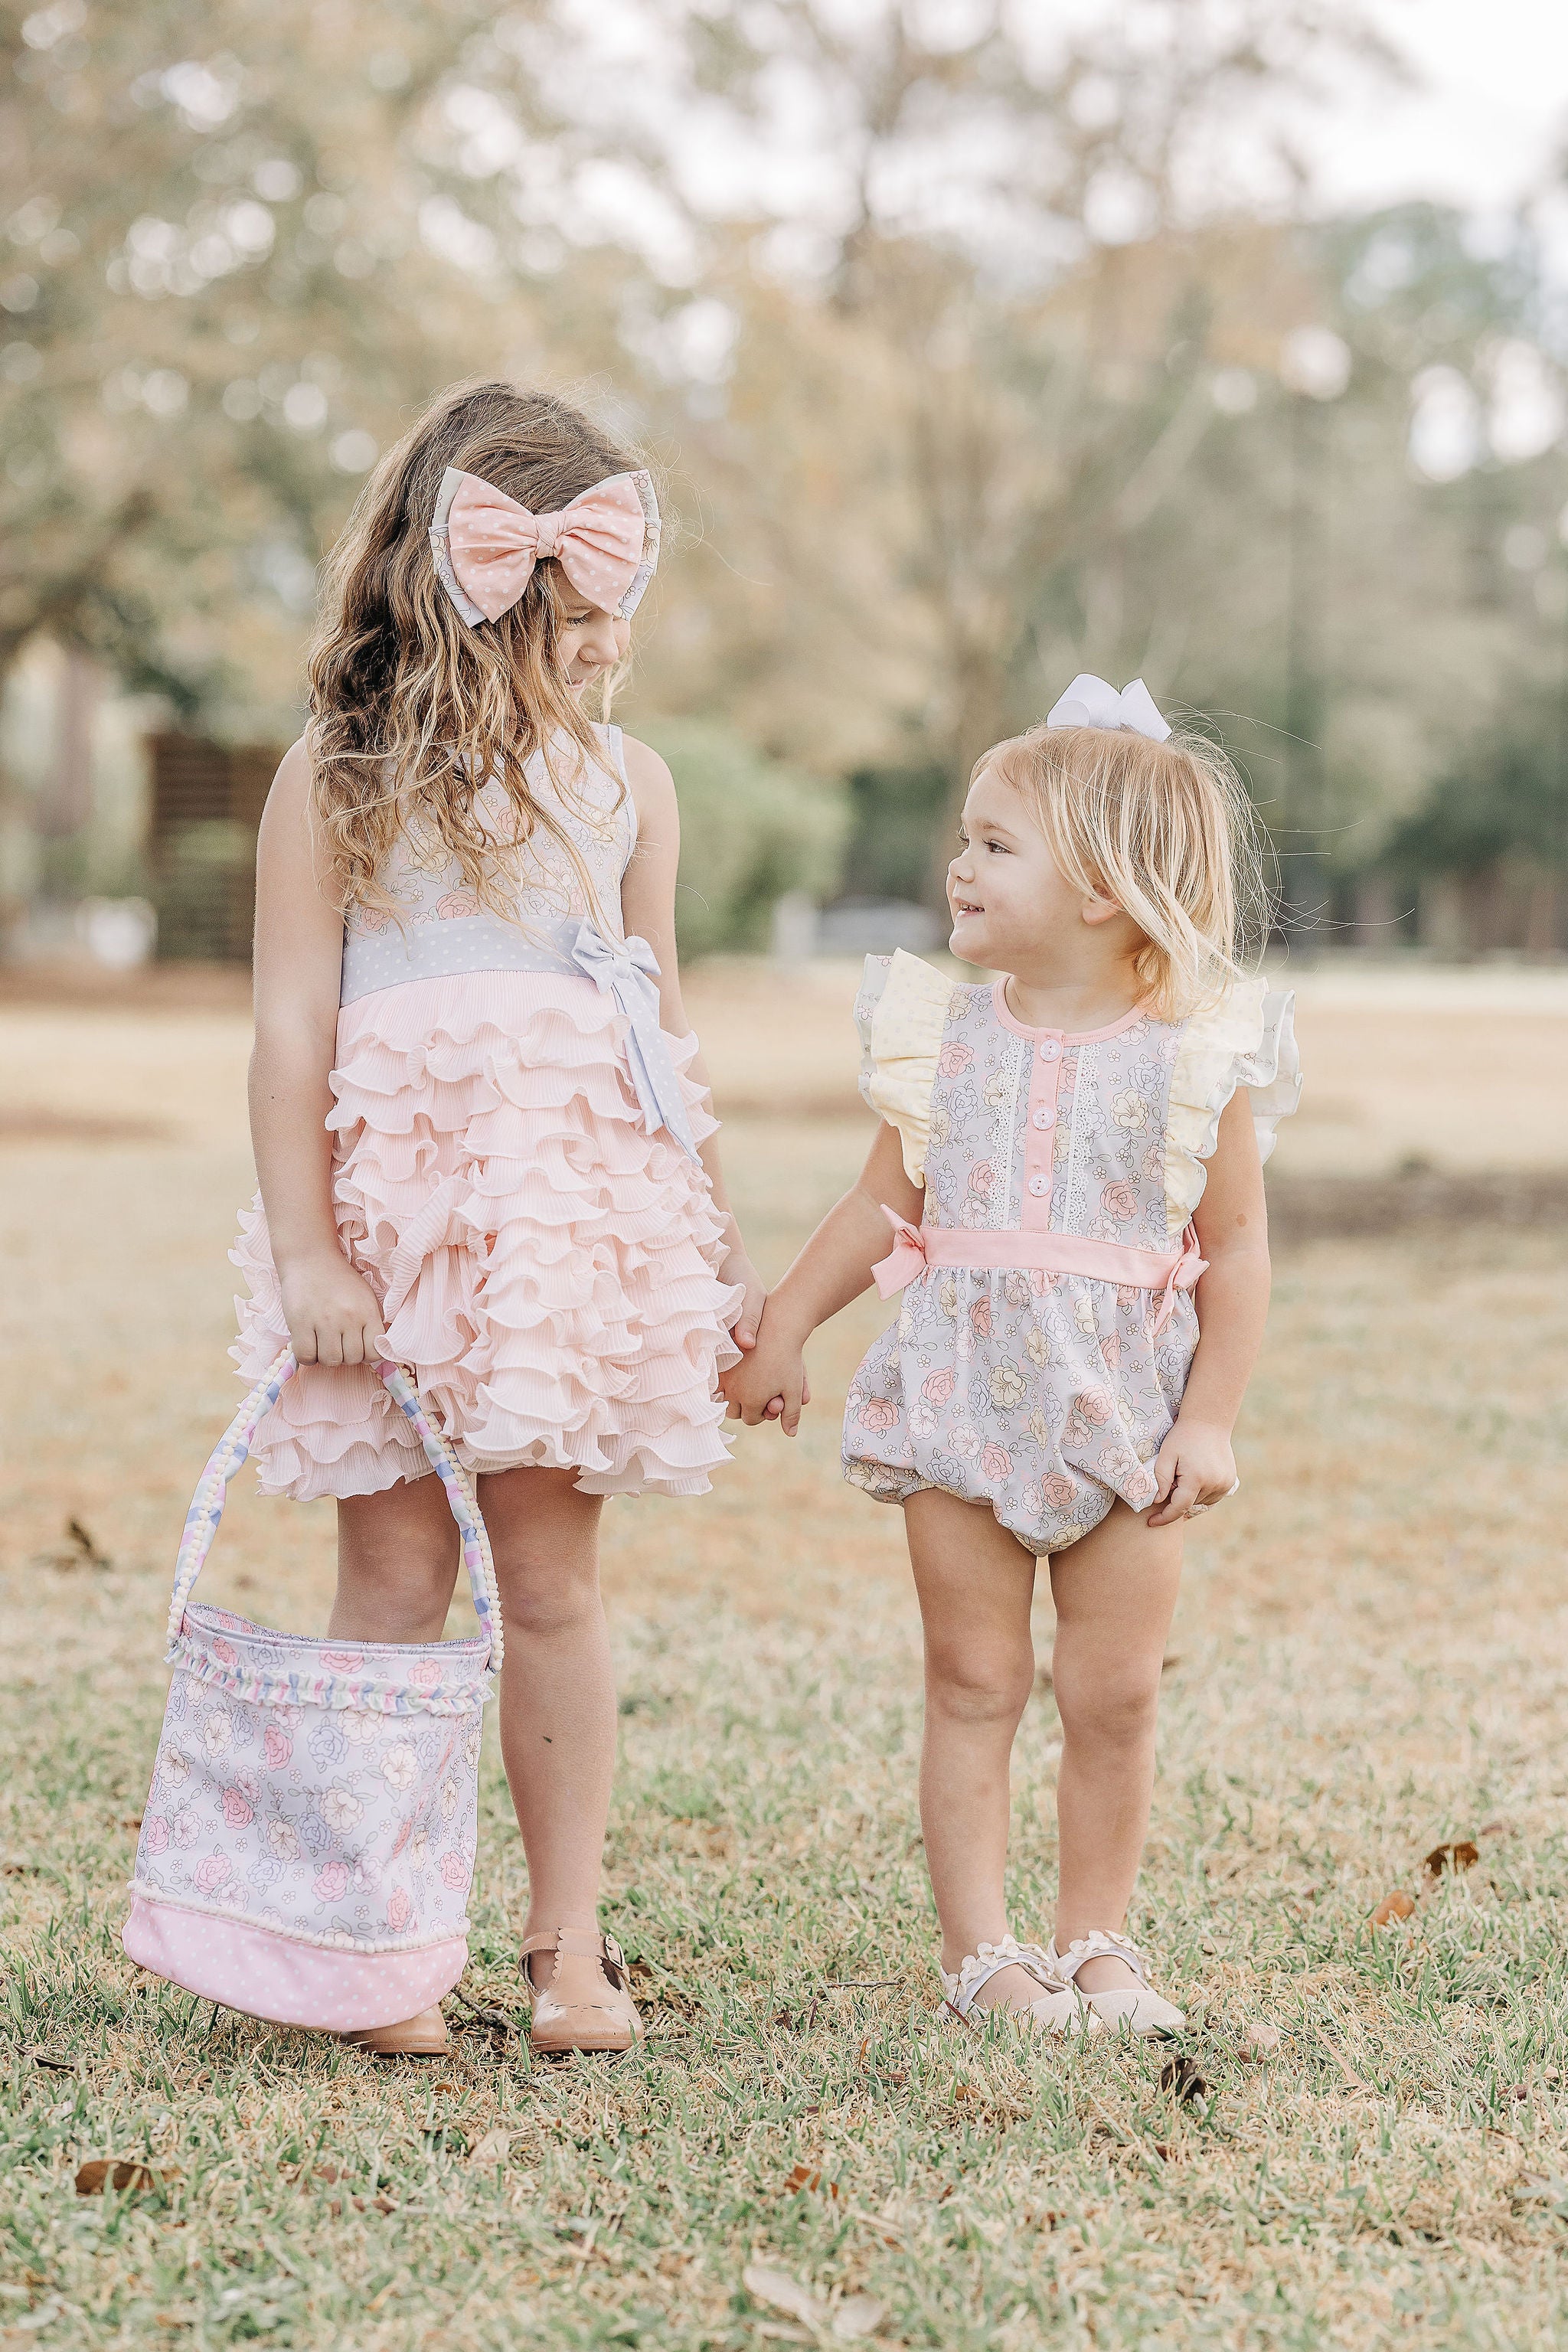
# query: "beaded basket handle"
{"points": [[234, 1447]]}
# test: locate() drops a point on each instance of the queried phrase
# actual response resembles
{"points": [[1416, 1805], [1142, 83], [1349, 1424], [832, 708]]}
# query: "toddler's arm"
{"points": [[1195, 1463], [331, 1313], [834, 1268]]}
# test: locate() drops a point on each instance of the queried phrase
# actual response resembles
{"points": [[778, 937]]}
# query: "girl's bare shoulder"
{"points": [[652, 785], [291, 790]]}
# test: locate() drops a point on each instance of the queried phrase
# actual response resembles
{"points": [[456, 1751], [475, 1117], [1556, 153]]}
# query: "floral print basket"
{"points": [[307, 1842]]}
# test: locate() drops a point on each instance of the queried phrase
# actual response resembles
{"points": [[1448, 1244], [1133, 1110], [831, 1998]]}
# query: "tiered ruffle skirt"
{"points": [[548, 1268]]}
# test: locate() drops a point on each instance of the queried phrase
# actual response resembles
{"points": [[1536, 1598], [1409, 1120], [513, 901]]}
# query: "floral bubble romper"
{"points": [[1048, 1325]]}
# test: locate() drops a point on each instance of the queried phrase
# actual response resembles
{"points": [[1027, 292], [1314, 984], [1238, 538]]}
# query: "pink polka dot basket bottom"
{"points": [[308, 1844]]}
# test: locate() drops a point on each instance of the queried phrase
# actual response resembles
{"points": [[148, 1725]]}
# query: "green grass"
{"points": [[1368, 1659]]}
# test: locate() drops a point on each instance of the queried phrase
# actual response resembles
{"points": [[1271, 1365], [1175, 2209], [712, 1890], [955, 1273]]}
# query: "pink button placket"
{"points": [[1040, 1130]]}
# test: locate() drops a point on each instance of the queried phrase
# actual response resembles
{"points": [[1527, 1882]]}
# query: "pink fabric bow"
{"points": [[1183, 1275], [905, 1260], [494, 543]]}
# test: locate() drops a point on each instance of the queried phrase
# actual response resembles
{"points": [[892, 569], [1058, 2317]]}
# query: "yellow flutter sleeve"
{"points": [[900, 1013], [1248, 1040]]}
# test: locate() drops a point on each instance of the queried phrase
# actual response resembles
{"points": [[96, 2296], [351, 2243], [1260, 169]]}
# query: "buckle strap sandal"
{"points": [[1142, 2009], [424, 2036], [1057, 2009], [608, 2020]]}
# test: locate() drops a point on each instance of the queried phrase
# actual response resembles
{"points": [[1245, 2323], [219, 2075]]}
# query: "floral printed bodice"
{"points": [[1035, 1129], [1105, 1134]]}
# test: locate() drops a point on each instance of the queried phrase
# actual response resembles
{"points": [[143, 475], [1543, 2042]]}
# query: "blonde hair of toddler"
{"points": [[1167, 831]]}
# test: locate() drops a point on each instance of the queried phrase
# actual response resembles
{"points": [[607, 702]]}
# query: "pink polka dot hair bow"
{"points": [[486, 544], [1089, 702]]}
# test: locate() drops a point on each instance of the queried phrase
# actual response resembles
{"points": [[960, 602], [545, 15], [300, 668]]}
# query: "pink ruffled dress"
{"points": [[546, 1248]]}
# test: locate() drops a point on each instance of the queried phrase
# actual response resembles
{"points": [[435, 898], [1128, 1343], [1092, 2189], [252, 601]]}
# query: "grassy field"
{"points": [[1369, 1660]]}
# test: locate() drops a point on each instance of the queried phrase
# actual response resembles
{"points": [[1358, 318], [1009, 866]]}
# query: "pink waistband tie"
{"points": [[917, 1248]]}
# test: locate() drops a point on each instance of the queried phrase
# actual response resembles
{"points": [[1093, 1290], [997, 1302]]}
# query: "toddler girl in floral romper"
{"points": [[1070, 1161]]}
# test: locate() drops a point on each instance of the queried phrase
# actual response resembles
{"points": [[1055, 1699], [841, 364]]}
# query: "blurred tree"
{"points": [[234, 258], [1506, 799], [751, 829], [921, 359], [964, 363]]}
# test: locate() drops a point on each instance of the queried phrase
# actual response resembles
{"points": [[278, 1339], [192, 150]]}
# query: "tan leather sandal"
{"points": [[608, 2022], [424, 2036]]}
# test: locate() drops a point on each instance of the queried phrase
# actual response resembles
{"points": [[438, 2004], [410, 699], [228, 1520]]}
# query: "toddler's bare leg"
{"points": [[1115, 1591], [975, 1583]]}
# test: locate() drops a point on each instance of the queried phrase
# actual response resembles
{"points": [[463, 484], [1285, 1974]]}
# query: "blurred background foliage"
{"points": [[974, 347]]}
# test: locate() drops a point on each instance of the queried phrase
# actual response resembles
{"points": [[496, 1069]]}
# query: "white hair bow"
{"points": [[1089, 702]]}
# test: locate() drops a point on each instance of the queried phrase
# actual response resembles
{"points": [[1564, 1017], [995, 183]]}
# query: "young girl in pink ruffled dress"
{"points": [[1070, 1159], [482, 1130]]}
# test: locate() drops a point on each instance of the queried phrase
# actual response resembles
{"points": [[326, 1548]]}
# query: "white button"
{"points": [[1044, 1116], [1038, 1185], [1051, 1051]]}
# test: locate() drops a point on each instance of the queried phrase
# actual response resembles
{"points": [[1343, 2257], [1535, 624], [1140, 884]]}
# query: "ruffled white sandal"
{"points": [[1058, 2009], [1144, 2011]]}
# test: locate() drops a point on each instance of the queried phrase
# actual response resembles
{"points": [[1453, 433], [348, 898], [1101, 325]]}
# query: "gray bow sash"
{"points": [[627, 974]]}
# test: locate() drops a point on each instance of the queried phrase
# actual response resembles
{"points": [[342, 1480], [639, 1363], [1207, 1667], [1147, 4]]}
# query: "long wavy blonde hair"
{"points": [[1168, 832], [412, 712]]}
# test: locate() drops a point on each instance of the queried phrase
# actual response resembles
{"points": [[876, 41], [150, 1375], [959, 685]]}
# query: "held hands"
{"points": [[332, 1314], [1194, 1467], [769, 1383]]}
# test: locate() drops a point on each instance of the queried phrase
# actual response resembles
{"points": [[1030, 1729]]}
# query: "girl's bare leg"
{"points": [[1115, 1591], [397, 1562], [976, 1583]]}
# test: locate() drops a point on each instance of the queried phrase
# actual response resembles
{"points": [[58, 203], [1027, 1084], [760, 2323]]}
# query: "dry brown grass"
{"points": [[1369, 1659]]}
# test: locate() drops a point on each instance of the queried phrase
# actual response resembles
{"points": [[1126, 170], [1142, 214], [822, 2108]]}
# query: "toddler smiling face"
{"points": [[1004, 890]]}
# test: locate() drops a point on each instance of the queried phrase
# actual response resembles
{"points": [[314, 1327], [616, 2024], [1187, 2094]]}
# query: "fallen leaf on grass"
{"points": [[1181, 2077], [56, 2065], [123, 2173], [858, 2315], [1262, 2040], [1397, 1906], [493, 2149], [80, 1549], [1460, 1856], [783, 2292], [13, 1869], [807, 2178]]}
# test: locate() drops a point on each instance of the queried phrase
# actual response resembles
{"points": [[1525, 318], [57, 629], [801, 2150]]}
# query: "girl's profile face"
{"points": [[1005, 890], [589, 639]]}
